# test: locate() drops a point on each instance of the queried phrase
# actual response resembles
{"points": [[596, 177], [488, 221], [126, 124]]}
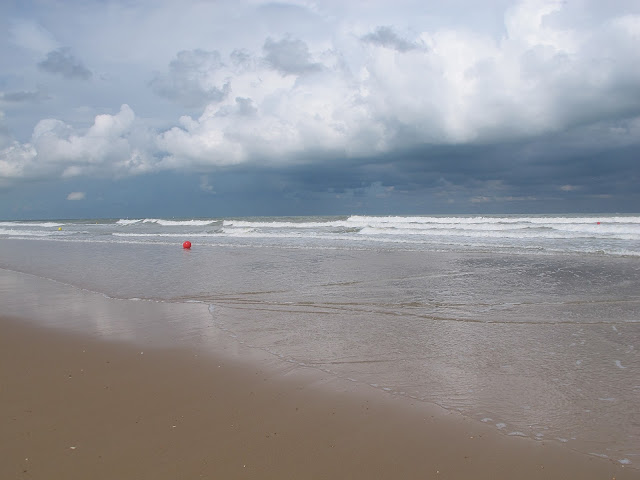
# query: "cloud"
{"points": [[462, 88], [108, 147], [5, 135], [61, 61], [428, 100], [16, 161], [245, 106], [289, 56], [24, 96], [386, 37], [195, 78], [76, 196], [32, 36]]}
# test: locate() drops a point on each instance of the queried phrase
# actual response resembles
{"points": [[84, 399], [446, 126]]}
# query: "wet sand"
{"points": [[77, 406]]}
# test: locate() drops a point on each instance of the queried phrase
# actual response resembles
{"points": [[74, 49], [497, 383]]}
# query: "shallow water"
{"points": [[543, 345]]}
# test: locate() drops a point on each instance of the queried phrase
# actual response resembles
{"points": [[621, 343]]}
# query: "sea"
{"points": [[527, 323]]}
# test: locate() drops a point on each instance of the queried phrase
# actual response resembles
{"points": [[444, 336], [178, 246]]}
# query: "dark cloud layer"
{"points": [[62, 62], [24, 96], [386, 37], [289, 56]]}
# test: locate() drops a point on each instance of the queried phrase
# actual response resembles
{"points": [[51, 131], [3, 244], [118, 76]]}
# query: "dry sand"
{"points": [[77, 407]]}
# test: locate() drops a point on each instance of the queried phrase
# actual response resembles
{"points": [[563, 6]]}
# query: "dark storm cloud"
{"points": [[61, 61], [513, 176], [191, 79], [386, 37], [289, 56]]}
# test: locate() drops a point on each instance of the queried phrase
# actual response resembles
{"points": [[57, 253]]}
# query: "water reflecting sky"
{"points": [[544, 346]]}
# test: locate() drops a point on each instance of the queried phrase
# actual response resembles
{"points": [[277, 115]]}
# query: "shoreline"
{"points": [[83, 407]]}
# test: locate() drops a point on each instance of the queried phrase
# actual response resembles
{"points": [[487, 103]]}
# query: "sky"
{"points": [[147, 108]]}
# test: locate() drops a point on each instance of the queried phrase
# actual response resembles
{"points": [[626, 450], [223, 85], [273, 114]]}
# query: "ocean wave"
{"points": [[237, 231], [167, 223], [515, 234], [279, 224], [372, 220], [481, 226], [179, 223], [608, 234], [126, 221], [25, 233], [31, 224], [165, 234]]}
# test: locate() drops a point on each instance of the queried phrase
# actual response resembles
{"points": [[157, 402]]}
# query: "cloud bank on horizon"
{"points": [[499, 99]]}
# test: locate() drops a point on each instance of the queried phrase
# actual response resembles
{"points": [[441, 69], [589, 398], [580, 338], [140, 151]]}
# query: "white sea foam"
{"points": [[167, 223], [178, 223], [613, 235], [25, 233], [237, 231], [486, 231], [279, 224], [495, 220], [124, 221], [31, 224], [168, 235]]}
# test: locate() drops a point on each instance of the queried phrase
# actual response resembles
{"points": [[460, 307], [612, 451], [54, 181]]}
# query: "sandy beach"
{"points": [[79, 407]]}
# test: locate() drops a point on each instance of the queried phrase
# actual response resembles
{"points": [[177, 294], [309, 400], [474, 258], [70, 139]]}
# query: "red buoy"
{"points": [[186, 245], [598, 223]]}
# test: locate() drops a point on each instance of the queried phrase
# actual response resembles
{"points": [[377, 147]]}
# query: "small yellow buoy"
{"points": [[59, 228]]}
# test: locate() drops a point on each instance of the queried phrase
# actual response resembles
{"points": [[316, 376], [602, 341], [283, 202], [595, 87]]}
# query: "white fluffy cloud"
{"points": [[364, 96], [357, 88], [57, 148], [75, 196]]}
